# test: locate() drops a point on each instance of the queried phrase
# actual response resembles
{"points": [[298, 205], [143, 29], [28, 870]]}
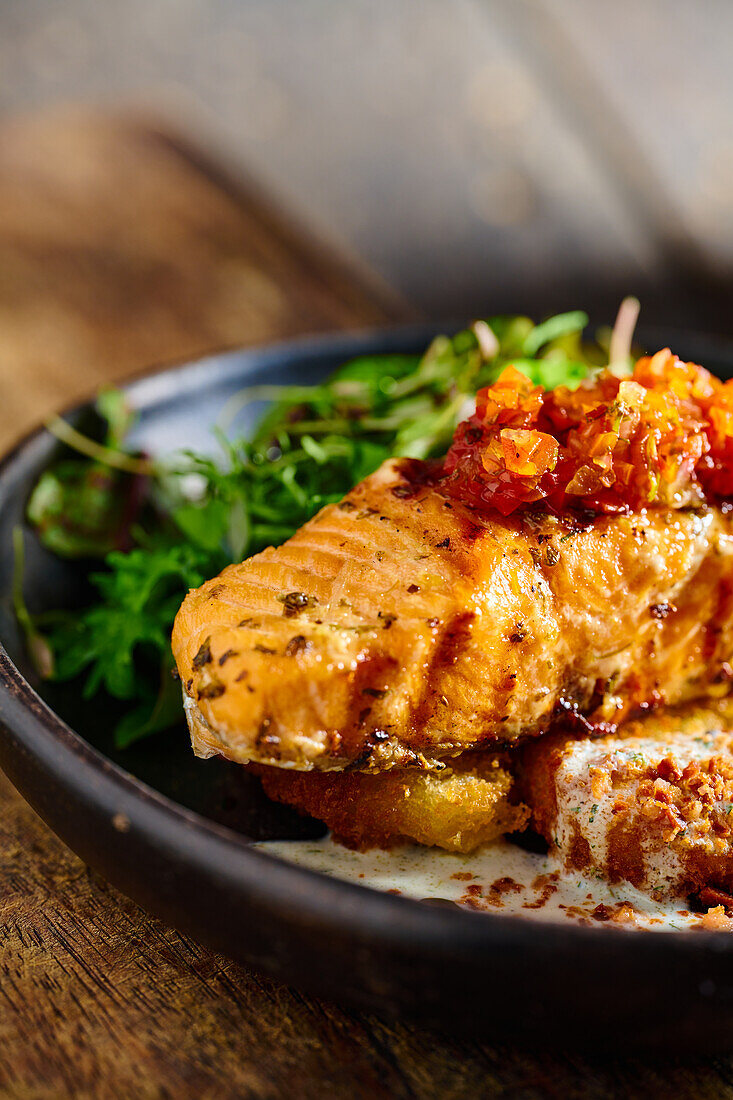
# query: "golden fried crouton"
{"points": [[458, 808]]}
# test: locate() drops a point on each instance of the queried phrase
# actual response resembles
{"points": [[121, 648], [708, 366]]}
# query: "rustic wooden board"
{"points": [[119, 247]]}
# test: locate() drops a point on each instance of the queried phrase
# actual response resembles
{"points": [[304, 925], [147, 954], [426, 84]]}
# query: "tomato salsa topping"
{"points": [[661, 435]]}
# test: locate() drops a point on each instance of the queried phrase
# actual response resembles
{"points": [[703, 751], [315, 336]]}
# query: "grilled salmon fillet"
{"points": [[401, 627], [652, 805]]}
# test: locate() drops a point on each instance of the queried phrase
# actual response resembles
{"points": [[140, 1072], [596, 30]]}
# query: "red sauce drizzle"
{"points": [[662, 435]]}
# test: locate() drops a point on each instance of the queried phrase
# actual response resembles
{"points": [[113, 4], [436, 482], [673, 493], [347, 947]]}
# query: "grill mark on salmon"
{"points": [[371, 683], [452, 643]]}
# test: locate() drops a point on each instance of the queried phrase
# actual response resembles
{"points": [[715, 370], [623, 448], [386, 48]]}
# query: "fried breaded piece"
{"points": [[652, 805], [458, 808], [401, 628]]}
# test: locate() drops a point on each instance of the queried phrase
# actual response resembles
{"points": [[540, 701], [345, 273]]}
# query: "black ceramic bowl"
{"points": [[174, 833]]}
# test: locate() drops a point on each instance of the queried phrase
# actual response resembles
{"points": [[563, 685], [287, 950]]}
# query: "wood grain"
{"points": [[120, 247]]}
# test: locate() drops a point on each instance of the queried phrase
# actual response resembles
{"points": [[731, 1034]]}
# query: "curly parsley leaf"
{"points": [[138, 597]]}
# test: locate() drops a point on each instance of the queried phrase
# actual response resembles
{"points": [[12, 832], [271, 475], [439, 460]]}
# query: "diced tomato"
{"points": [[662, 436]]}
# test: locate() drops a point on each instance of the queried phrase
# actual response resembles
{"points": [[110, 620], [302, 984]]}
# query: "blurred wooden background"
{"points": [[478, 154], [447, 158]]}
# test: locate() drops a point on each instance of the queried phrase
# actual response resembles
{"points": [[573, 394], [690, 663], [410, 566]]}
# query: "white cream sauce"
{"points": [[498, 878]]}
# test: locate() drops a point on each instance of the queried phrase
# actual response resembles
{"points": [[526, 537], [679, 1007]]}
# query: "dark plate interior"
{"points": [[184, 851]]}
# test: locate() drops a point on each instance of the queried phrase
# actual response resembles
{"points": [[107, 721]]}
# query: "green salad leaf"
{"points": [[139, 594], [162, 526]]}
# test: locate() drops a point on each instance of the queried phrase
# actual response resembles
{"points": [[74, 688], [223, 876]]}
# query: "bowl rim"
{"points": [[70, 763]]}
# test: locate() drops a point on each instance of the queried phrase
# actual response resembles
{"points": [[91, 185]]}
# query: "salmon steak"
{"points": [[567, 567], [402, 627], [443, 649]]}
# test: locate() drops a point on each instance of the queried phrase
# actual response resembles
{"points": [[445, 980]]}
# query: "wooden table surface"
{"points": [[121, 247]]}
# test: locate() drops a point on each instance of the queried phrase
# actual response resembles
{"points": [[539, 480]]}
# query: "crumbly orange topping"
{"points": [[663, 435], [670, 796]]}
